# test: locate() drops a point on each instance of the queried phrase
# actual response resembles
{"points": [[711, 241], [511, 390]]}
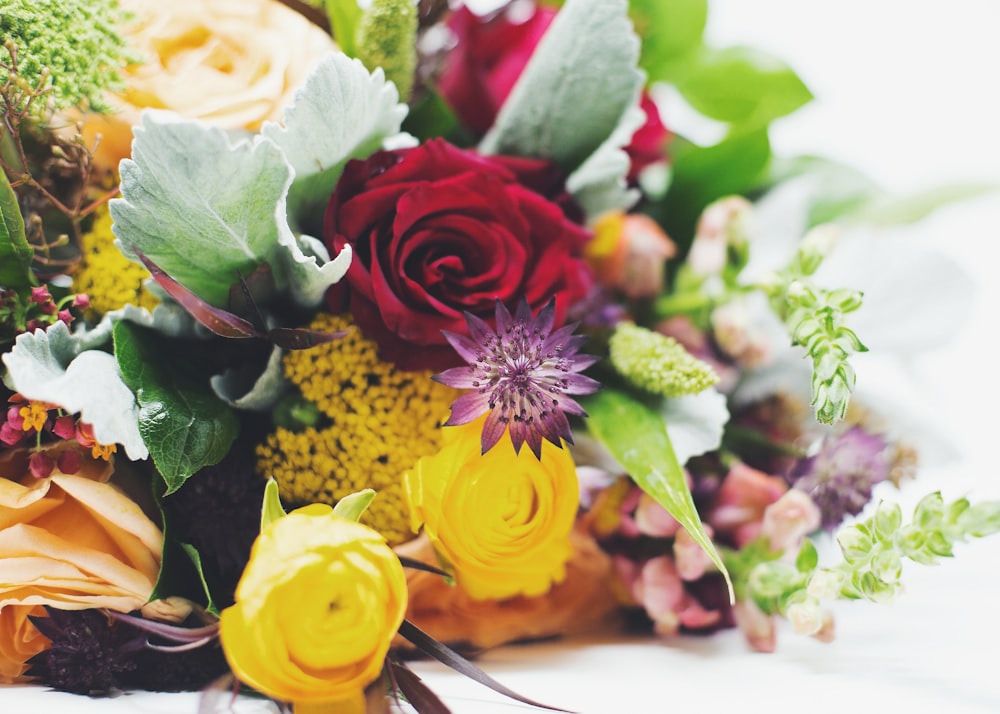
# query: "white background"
{"points": [[905, 91]]}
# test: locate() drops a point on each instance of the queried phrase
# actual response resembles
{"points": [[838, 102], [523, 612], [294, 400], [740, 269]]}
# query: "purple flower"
{"points": [[840, 476], [521, 375]]}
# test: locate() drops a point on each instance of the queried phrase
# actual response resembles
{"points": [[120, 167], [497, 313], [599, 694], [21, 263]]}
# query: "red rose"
{"points": [[489, 55], [438, 231]]}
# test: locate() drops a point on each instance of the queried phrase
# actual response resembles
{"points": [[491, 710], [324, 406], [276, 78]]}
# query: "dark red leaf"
{"points": [[301, 339], [418, 694]]}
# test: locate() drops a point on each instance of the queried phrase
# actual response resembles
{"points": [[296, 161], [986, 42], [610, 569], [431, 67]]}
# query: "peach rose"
{"points": [[233, 63], [19, 639], [72, 542]]}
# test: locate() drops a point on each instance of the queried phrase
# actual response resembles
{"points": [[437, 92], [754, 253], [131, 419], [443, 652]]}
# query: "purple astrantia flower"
{"points": [[840, 476], [521, 374]]}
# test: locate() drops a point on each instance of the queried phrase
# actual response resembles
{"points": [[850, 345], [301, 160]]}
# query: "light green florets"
{"points": [[657, 363], [387, 37], [71, 46]]}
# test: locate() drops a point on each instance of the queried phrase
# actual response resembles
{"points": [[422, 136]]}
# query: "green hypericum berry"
{"points": [[657, 363], [68, 46]]}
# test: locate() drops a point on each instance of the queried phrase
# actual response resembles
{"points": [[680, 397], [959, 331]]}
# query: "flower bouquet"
{"points": [[337, 335]]}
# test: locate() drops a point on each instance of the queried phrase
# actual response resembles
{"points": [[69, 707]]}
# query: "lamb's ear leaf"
{"points": [[576, 89], [201, 206]]}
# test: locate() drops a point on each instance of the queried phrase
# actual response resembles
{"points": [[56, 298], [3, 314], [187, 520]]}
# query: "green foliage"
{"points": [[183, 424], [743, 87], [671, 30], [69, 48], [386, 38], [354, 505], [637, 437], [345, 17], [873, 552], [271, 510], [816, 320], [15, 253]]}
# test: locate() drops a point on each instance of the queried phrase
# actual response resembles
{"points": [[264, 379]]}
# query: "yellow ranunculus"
{"points": [[233, 63], [316, 609], [501, 520]]}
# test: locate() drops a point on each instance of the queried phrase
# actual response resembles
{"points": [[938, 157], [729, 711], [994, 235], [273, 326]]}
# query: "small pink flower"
{"points": [[81, 300], [721, 225], [660, 590], [41, 296], [66, 317], [65, 427], [630, 253], [41, 465], [788, 519], [70, 461], [654, 520], [741, 501], [692, 561], [756, 626]]}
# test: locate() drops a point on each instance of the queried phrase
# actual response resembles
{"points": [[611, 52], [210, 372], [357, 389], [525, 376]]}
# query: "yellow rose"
{"points": [[73, 542], [316, 609], [501, 520], [233, 63]]}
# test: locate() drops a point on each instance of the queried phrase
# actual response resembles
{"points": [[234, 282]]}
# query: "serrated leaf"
{"points": [[637, 437], [183, 424], [576, 88], [306, 263], [15, 253], [742, 86], [354, 505], [200, 206], [343, 111], [48, 367], [271, 509], [670, 30]]}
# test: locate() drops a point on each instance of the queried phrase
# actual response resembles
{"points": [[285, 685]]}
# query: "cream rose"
{"points": [[233, 63], [73, 542]]}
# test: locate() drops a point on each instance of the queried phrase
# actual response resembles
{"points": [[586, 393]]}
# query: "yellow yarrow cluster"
{"points": [[382, 420], [108, 278]]}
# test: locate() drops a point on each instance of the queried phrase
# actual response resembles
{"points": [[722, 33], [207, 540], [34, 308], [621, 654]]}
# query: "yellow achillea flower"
{"points": [[501, 520], [108, 278], [381, 420]]}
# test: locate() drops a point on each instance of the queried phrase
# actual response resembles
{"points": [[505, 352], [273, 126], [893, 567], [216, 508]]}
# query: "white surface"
{"points": [[907, 92]]}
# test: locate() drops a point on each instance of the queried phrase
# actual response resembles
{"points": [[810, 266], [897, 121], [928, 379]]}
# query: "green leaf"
{"points": [[576, 89], [808, 557], [185, 426], [354, 505], [701, 175], [271, 510], [637, 437], [15, 253], [670, 30], [900, 210], [200, 206], [195, 557], [345, 16], [342, 112], [742, 86], [50, 367]]}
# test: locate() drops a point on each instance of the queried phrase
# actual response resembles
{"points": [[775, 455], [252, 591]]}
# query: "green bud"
{"points": [[845, 300], [888, 519], [876, 590], [929, 511], [980, 520], [939, 544], [817, 244], [826, 584], [855, 544], [773, 579], [887, 566]]}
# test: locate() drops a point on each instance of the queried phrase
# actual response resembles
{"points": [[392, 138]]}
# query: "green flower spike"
{"points": [[657, 363], [69, 49]]}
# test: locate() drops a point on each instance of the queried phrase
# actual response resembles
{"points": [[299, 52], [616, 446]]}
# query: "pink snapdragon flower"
{"points": [[741, 502]]}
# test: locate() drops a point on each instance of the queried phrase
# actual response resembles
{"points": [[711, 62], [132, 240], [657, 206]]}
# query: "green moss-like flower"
{"points": [[657, 363], [387, 38], [70, 46]]}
